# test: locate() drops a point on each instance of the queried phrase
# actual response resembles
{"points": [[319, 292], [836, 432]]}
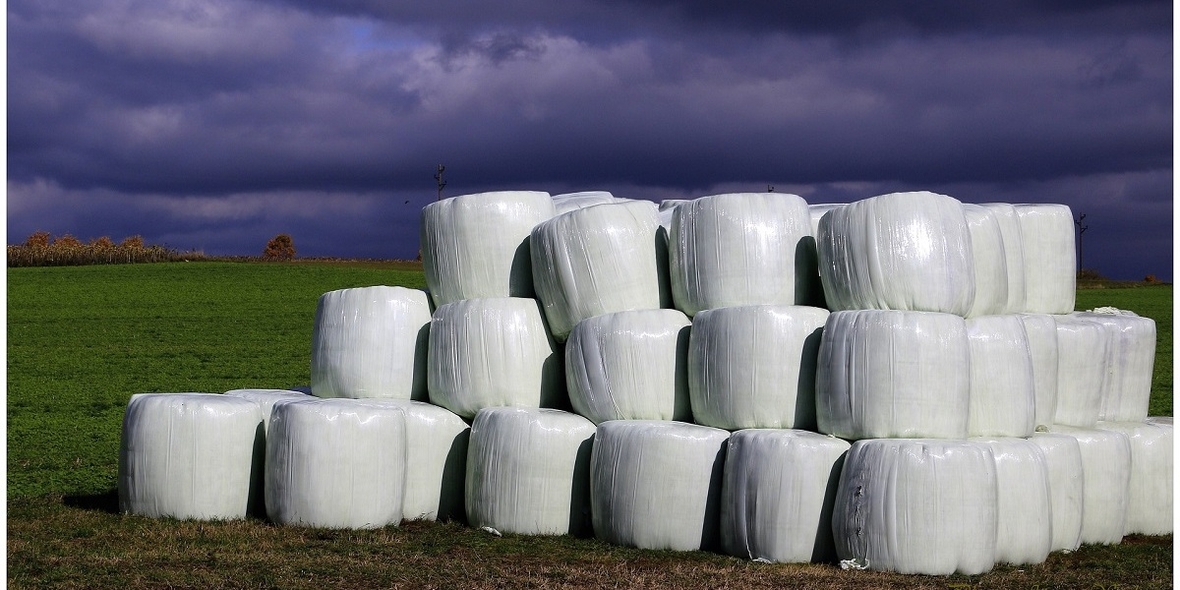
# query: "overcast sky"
{"points": [[216, 125]]}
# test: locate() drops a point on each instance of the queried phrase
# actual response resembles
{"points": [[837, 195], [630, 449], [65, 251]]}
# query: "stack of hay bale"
{"points": [[898, 383]]}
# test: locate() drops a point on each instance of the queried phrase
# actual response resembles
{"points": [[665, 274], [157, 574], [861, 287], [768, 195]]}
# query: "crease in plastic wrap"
{"points": [[1003, 396], [1009, 221], [989, 260], [777, 495], [1041, 330], [893, 374], [370, 342], [1106, 468], [1130, 364], [630, 365], [754, 366], [1063, 458], [600, 259], [528, 471], [1024, 524], [566, 202], [657, 484], [436, 461], [1082, 352], [336, 463], [189, 456], [493, 352], [478, 245], [1050, 258], [901, 251], [917, 506], [741, 249], [1149, 497]]}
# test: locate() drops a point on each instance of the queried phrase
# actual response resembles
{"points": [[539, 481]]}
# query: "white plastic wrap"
{"points": [[902, 251], [1130, 364], [917, 506], [777, 495], [1024, 530], [601, 259], [478, 245], [817, 211], [1041, 330], [336, 463], [567, 202], [1082, 352], [1063, 458], [630, 365], [189, 455], [1149, 497], [889, 374], [740, 249], [1050, 260], [1009, 221], [1003, 396], [528, 471], [493, 352], [436, 461], [370, 342], [1106, 467], [754, 366], [989, 261], [266, 398], [657, 484]]}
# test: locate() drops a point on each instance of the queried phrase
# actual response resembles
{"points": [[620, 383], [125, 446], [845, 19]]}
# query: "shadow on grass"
{"points": [[107, 501]]}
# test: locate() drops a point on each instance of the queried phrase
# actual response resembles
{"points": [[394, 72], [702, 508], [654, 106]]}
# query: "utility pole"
{"points": [[438, 177], [1081, 230], [770, 188]]}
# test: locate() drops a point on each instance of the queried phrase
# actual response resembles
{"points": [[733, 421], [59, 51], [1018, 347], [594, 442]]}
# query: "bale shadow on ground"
{"points": [[107, 501]]}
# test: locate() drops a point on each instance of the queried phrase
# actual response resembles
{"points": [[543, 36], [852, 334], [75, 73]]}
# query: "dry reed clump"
{"points": [[42, 249]]}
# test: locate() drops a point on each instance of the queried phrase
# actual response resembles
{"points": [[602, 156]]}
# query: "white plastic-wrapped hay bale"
{"points": [[600, 259], [370, 342], [478, 245], [436, 461], [817, 211], [1149, 496], [777, 495], [492, 352], [816, 297], [336, 463], [1082, 353], [189, 455], [1024, 529], [528, 471], [902, 251], [657, 484], [917, 506], [891, 374], [566, 202], [989, 261], [630, 365], [754, 366], [740, 249], [1106, 467], [1063, 459], [1041, 330], [1009, 222], [1130, 364], [1050, 260], [266, 398], [1003, 397]]}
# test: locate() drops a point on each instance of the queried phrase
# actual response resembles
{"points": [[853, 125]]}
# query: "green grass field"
{"points": [[82, 340]]}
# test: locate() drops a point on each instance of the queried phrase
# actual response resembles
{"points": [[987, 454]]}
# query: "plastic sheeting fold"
{"points": [[1149, 496], [988, 260], [777, 495], [901, 251], [740, 249], [1024, 530], [189, 455], [1003, 397], [1106, 468], [1041, 330], [754, 366], [657, 484], [600, 259], [889, 374], [478, 245], [1082, 352], [528, 471], [917, 506], [1009, 221], [1130, 364], [630, 365], [1050, 260], [493, 352], [370, 342], [566, 202]]}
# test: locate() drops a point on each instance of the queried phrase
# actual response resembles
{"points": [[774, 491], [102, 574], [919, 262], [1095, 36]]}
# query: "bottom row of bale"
{"points": [[931, 506]]}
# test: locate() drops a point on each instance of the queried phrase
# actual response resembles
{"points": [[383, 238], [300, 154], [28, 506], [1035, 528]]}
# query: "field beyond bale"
{"points": [[82, 340]]}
